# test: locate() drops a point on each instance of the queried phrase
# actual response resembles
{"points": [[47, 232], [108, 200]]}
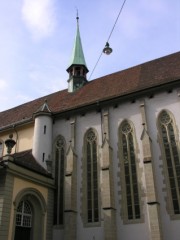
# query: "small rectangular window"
{"points": [[43, 157], [44, 129]]}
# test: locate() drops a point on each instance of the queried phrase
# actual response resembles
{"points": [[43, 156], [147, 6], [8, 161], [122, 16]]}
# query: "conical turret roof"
{"points": [[43, 110]]}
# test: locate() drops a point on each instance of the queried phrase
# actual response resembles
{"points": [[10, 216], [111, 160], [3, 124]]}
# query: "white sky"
{"points": [[37, 36]]}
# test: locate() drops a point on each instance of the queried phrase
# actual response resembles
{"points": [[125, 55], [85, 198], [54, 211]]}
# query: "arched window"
{"points": [[130, 179], [92, 195], [59, 180], [24, 214], [172, 160]]}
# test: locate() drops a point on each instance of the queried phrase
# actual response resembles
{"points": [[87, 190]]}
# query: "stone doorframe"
{"points": [[37, 201]]}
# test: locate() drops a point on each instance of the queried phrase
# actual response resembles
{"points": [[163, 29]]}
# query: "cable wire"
{"points": [[95, 65], [108, 38], [116, 20]]}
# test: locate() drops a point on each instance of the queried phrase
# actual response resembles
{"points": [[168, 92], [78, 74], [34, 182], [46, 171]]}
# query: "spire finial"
{"points": [[77, 15]]}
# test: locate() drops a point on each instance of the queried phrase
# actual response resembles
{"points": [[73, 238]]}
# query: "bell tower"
{"points": [[77, 68]]}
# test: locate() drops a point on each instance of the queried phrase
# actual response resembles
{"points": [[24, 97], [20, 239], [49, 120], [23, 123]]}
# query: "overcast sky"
{"points": [[37, 36]]}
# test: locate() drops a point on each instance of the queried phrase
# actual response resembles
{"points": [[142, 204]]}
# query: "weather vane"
{"points": [[77, 15]]}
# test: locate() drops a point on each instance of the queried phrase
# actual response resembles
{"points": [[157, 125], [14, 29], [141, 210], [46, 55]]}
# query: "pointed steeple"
{"points": [[77, 57], [77, 68]]}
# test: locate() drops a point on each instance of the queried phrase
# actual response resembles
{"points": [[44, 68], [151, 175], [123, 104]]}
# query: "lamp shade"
{"points": [[107, 50]]}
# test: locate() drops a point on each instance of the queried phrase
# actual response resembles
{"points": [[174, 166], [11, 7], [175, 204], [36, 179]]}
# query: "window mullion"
{"points": [[92, 182], [58, 186], [173, 166], [130, 175], [92, 204], [22, 214]]}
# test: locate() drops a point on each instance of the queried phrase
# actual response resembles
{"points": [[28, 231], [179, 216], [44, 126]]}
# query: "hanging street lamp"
{"points": [[107, 50]]}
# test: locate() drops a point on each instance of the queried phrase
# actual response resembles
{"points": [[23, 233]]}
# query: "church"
{"points": [[99, 160]]}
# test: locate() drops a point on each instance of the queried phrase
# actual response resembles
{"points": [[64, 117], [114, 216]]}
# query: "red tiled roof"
{"points": [[151, 74]]}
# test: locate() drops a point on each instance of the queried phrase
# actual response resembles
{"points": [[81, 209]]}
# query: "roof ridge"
{"points": [[164, 70], [135, 66]]}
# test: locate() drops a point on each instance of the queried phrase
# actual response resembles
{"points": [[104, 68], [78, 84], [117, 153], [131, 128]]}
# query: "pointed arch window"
{"points": [[172, 159], [92, 195], [60, 146], [130, 178]]}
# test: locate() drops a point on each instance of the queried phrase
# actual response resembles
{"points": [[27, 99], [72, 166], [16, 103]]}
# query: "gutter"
{"points": [[16, 124], [99, 103]]}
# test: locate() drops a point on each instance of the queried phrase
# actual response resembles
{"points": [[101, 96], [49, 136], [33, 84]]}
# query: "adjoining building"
{"points": [[99, 160]]}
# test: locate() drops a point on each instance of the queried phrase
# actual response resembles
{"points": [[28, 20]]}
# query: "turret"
{"points": [[42, 140]]}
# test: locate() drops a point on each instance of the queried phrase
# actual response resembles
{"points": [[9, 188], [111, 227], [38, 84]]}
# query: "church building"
{"points": [[99, 160]]}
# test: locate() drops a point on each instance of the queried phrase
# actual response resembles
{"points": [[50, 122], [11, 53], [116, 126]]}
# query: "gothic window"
{"points": [[172, 160], [59, 180], [129, 169], [92, 196], [24, 215]]}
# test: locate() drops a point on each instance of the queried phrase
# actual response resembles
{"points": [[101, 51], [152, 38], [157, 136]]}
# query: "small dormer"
{"points": [[77, 68]]}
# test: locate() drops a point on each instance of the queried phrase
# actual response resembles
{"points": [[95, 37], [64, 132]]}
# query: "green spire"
{"points": [[77, 68], [77, 57]]}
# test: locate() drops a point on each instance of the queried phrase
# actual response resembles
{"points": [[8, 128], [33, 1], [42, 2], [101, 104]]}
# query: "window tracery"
{"points": [[131, 199], [60, 146], [24, 214], [92, 177], [172, 160]]}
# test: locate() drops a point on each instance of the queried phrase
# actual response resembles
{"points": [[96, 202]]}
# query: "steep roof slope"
{"points": [[151, 74], [77, 57]]}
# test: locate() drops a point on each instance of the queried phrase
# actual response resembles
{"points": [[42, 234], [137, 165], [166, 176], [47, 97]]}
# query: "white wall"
{"points": [[171, 102], [130, 111]]}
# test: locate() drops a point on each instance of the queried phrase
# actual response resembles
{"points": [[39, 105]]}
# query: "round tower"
{"points": [[42, 140]]}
